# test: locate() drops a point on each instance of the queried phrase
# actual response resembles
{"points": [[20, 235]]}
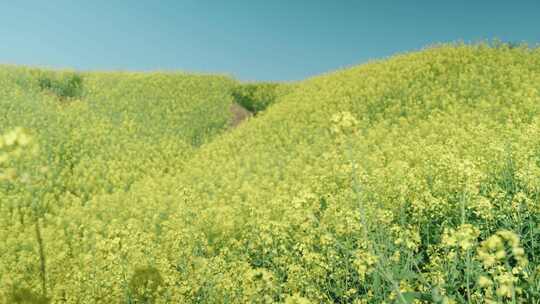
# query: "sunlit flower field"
{"points": [[414, 179]]}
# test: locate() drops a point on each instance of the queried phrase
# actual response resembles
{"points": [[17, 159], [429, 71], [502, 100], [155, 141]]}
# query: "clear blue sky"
{"points": [[250, 39]]}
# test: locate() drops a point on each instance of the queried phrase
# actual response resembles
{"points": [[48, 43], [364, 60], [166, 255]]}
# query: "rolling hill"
{"points": [[414, 178]]}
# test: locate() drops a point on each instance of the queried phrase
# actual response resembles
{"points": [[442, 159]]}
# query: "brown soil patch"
{"points": [[239, 114]]}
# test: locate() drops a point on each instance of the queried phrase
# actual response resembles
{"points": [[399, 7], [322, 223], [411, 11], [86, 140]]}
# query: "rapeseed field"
{"points": [[414, 179]]}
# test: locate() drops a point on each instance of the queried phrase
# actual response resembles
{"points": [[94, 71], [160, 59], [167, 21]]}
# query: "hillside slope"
{"points": [[116, 127], [410, 178], [392, 157]]}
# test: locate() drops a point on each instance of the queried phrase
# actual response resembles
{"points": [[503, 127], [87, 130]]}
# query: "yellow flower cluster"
{"points": [[344, 124], [12, 145], [365, 263], [504, 260], [464, 237]]}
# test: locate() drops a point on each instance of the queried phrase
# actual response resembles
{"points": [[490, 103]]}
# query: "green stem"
{"points": [[467, 274], [357, 191], [42, 268], [363, 217], [463, 213], [389, 278]]}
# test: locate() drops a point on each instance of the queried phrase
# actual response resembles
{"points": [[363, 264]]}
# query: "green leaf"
{"points": [[412, 295]]}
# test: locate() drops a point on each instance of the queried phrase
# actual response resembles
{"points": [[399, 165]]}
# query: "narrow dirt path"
{"points": [[239, 114]]}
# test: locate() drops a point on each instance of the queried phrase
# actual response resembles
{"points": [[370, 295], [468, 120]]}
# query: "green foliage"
{"points": [[256, 97], [66, 85], [144, 285], [512, 44], [26, 296]]}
